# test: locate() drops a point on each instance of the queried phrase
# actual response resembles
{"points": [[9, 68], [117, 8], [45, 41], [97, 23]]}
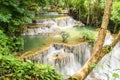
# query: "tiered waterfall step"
{"points": [[53, 25]]}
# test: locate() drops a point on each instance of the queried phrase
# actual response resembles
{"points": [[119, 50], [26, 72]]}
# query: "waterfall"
{"points": [[47, 26], [109, 64], [108, 40], [67, 59]]}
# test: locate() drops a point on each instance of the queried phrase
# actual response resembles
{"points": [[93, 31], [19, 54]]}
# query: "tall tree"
{"points": [[116, 15], [94, 12], [98, 50]]}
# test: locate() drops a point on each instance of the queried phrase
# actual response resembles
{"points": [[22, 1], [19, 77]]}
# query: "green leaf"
{"points": [[115, 75], [26, 76], [0, 56], [93, 65], [19, 75]]}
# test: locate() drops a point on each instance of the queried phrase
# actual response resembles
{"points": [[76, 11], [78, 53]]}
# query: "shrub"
{"points": [[3, 43], [10, 44], [12, 69], [87, 35], [65, 36], [13, 14], [15, 44], [59, 10]]}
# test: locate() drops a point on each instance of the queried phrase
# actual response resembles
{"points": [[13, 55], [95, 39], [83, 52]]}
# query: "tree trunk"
{"points": [[79, 13], [115, 27], [88, 17], [98, 50], [97, 12]]}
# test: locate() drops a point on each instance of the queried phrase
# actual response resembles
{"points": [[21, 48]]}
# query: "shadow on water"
{"points": [[33, 42]]}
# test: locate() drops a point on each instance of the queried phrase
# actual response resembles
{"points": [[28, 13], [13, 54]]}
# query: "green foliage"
{"points": [[74, 78], [3, 43], [10, 44], [94, 13], [115, 75], [34, 7], [17, 45], [65, 36], [42, 3], [59, 10], [77, 9], [107, 48], [115, 17], [87, 35], [116, 12], [13, 69], [93, 65], [13, 14]]}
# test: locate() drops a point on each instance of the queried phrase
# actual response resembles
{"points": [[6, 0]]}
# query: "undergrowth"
{"points": [[12, 69]]}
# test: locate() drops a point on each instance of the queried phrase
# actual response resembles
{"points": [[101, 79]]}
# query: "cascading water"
{"points": [[44, 26], [66, 59], [109, 65], [108, 40]]}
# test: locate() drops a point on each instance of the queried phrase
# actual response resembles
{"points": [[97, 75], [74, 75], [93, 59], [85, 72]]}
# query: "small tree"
{"points": [[65, 36]]}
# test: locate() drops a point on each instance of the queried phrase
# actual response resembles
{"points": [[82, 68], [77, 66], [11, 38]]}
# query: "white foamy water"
{"points": [[109, 64], [67, 60], [51, 25]]}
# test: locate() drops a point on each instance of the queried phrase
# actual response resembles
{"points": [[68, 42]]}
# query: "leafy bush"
{"points": [[65, 36], [10, 44], [59, 10], [87, 35], [12, 69], [3, 43], [15, 44], [13, 14]]}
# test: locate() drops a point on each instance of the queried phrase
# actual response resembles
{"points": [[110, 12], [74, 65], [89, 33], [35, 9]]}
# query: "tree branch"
{"points": [[98, 50]]}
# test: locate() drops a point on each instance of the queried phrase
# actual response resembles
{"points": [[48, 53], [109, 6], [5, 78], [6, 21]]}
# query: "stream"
{"points": [[68, 59]]}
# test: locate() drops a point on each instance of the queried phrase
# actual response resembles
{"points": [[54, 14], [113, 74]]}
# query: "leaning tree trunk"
{"points": [[98, 50]]}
